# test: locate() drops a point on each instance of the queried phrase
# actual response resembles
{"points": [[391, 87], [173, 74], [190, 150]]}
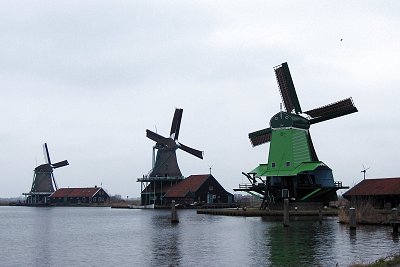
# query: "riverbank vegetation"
{"points": [[7, 201], [391, 261], [366, 213]]}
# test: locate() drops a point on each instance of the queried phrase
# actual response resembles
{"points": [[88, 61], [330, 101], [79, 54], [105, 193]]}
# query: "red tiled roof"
{"points": [[373, 187], [190, 184], [76, 192]]}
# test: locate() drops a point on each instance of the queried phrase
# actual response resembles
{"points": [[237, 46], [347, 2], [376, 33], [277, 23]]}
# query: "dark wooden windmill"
{"points": [[165, 170], [43, 183]]}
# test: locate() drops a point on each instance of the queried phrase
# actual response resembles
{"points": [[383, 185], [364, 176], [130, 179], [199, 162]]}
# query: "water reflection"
{"points": [[291, 246], [303, 243], [395, 237], [353, 236], [165, 241], [42, 224]]}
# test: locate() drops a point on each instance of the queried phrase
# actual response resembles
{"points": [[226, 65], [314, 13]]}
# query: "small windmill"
{"points": [[165, 170], [364, 170], [43, 179], [293, 163]]}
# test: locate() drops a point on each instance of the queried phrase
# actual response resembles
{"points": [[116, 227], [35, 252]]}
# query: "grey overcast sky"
{"points": [[89, 77]]}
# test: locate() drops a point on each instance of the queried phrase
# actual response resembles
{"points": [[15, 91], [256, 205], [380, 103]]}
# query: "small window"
{"points": [[273, 164], [94, 199], [287, 163], [210, 188]]}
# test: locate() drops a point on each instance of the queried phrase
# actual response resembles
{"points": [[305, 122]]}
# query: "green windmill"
{"points": [[293, 169]]}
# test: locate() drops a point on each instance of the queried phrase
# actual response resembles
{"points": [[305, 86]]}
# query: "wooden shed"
{"points": [[73, 196], [382, 192], [198, 189]]}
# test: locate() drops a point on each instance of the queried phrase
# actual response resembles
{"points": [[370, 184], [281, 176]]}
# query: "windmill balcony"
{"points": [[338, 184], [159, 178], [245, 186]]}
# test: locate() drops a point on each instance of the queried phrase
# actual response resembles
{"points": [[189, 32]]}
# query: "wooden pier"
{"points": [[261, 213]]}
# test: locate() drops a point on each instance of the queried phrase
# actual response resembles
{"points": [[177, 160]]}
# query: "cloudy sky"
{"points": [[89, 77]]}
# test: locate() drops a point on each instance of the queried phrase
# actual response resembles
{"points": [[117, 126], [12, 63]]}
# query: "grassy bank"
{"points": [[365, 214], [392, 261]]}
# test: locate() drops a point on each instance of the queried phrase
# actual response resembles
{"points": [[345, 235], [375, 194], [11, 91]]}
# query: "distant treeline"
{"points": [[7, 201]]}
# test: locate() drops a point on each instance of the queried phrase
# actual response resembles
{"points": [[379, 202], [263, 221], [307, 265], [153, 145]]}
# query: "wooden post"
{"points": [[395, 214], [320, 215], [174, 215], [352, 218], [395, 221], [286, 212]]}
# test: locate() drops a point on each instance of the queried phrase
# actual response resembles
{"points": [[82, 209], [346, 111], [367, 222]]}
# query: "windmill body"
{"points": [[293, 169], [165, 170], [44, 183], [165, 163], [43, 179]]}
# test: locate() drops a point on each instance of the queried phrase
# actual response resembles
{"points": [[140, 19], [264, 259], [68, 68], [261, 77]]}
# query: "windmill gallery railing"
{"points": [[245, 186], [338, 184], [147, 178]]}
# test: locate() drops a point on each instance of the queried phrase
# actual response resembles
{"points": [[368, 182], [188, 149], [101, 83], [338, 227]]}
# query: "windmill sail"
{"points": [[156, 137], [46, 154], [60, 164], [54, 181], [176, 123], [191, 151], [260, 137], [331, 111], [286, 87]]}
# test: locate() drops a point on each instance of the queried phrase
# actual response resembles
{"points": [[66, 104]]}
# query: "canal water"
{"points": [[65, 236]]}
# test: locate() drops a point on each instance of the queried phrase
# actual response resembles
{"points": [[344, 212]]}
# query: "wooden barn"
{"points": [[77, 196], [198, 188], [382, 192]]}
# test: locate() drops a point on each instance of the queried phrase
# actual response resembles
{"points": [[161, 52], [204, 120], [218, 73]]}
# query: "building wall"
{"points": [[100, 197], [384, 201], [209, 192]]}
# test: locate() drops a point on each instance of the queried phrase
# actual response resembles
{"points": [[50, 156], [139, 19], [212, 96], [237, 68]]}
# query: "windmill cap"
{"points": [[44, 168], [284, 120]]}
